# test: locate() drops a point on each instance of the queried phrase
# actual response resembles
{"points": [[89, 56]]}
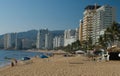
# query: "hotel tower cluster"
{"points": [[95, 20]]}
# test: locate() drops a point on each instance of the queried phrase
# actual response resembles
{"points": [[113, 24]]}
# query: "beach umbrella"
{"points": [[25, 58], [79, 52], [114, 49]]}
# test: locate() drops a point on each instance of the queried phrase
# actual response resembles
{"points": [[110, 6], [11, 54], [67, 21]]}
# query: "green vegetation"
{"points": [[111, 35], [73, 47]]}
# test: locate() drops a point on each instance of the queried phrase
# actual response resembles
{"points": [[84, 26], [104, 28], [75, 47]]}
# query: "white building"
{"points": [[18, 43], [7, 41], [70, 36], [44, 39], [48, 41], [80, 30], [77, 33], [41, 38], [96, 19], [38, 40], [87, 25], [58, 41], [103, 18]]}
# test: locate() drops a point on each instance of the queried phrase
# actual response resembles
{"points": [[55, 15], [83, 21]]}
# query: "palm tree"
{"points": [[76, 45], [102, 41], [73, 47], [112, 33], [84, 45], [89, 43]]}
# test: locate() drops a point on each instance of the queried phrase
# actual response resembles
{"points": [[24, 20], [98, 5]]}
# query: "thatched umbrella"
{"points": [[114, 49], [59, 52]]}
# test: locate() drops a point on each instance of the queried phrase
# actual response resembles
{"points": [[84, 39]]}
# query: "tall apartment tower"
{"points": [[80, 30], [40, 44], [48, 41], [18, 42], [69, 36], [96, 19], [103, 18], [38, 40], [58, 41], [7, 41], [87, 27], [77, 33]]}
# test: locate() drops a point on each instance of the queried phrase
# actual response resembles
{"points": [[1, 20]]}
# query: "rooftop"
{"points": [[92, 7]]}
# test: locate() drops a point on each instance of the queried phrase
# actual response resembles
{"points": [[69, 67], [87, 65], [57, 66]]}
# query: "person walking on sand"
{"points": [[15, 61]]}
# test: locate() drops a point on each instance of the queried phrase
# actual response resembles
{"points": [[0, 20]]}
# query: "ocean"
{"points": [[17, 54]]}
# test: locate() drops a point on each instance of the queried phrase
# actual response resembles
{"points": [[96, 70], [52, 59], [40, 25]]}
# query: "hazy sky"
{"points": [[24, 15]]}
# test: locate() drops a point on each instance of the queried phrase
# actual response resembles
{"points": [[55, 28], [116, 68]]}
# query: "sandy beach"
{"points": [[62, 66]]}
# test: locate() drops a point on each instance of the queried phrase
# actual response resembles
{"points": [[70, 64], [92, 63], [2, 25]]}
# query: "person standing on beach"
{"points": [[15, 61], [12, 64]]}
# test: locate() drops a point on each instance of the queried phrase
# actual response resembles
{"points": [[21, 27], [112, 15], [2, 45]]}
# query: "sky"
{"points": [[24, 15]]}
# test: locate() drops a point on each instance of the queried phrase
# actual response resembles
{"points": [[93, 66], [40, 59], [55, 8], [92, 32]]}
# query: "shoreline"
{"points": [[7, 63], [3, 66], [30, 50]]}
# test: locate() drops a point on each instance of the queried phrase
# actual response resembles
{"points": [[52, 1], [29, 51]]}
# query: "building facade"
{"points": [[44, 39], [81, 30], [48, 41], [103, 18], [18, 43], [41, 38], [7, 41], [96, 19], [87, 28], [70, 36], [58, 41], [26, 44]]}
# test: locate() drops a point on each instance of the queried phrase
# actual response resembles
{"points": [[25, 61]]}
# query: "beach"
{"points": [[63, 66]]}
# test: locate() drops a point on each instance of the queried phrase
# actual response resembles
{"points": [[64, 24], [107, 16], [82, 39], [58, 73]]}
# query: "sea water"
{"points": [[6, 55]]}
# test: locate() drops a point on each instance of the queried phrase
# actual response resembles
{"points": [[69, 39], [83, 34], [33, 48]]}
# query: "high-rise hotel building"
{"points": [[70, 36], [41, 38], [96, 19], [87, 28], [58, 41], [7, 41], [80, 30], [48, 41], [103, 18], [44, 39]]}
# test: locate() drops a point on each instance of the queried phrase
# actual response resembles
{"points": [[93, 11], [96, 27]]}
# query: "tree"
{"points": [[73, 47], [84, 45], [102, 41], [76, 45], [90, 46], [110, 35]]}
